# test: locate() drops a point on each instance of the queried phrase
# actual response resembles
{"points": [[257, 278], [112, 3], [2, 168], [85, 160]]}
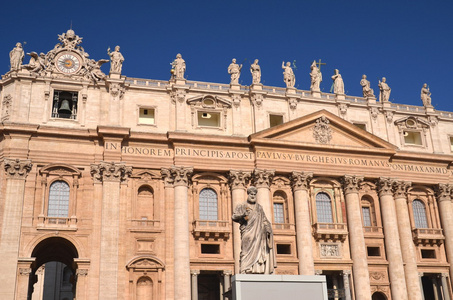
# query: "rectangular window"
{"points": [[366, 216], [279, 215], [283, 249], [426, 253], [146, 116], [64, 105], [373, 251], [209, 119], [412, 138], [451, 143], [210, 249], [275, 120]]}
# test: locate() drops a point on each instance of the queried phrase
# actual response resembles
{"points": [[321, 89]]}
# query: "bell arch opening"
{"points": [[53, 271]]}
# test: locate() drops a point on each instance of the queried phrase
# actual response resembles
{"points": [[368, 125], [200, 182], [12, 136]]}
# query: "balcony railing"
{"points": [[62, 223], [283, 226], [330, 231], [428, 236], [211, 229], [144, 225], [372, 231]]}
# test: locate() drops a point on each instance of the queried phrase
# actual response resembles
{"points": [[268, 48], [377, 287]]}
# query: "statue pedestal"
{"points": [[316, 94], [271, 287], [115, 75], [340, 96]]}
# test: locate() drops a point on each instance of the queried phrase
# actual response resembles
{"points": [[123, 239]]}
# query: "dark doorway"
{"points": [[378, 296], [209, 285]]}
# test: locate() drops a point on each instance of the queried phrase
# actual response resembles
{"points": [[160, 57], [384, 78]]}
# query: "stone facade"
{"points": [[129, 185]]}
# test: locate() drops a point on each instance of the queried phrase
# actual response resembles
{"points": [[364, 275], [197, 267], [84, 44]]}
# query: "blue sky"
{"points": [[408, 42]]}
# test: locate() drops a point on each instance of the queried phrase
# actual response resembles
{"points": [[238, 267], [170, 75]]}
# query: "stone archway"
{"points": [[378, 296], [56, 258]]}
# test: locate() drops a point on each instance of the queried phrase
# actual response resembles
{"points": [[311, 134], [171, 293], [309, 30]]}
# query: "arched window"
{"points": [[419, 210], [279, 201], [324, 208], [208, 205], [58, 199], [145, 203], [368, 213]]}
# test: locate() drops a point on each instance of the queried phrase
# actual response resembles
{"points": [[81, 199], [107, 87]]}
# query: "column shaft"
{"points": [[347, 288], [303, 233], [446, 218], [445, 289], [194, 276], [238, 195]]}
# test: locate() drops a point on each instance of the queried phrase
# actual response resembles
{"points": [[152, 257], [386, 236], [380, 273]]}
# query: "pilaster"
{"points": [[300, 182]]}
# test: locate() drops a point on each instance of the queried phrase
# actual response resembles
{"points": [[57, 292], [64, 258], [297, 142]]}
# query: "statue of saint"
{"points": [[116, 60], [178, 67], [255, 69], [257, 240], [288, 75], [425, 94], [16, 57], [338, 84], [235, 71], [316, 78], [366, 89], [385, 90]]}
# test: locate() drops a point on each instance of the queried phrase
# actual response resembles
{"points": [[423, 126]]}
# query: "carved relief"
{"points": [[6, 105], [374, 113], [343, 108], [257, 99], [388, 116], [433, 120], [329, 250], [178, 95], [263, 178], [351, 183], [236, 100], [117, 90], [322, 131], [377, 276], [238, 179], [292, 103], [16, 168], [300, 180], [110, 171]]}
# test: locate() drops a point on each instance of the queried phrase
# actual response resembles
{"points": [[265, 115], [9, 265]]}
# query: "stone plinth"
{"points": [[288, 287]]}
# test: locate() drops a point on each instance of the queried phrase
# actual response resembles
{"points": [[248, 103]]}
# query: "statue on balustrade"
{"points": [[235, 71], [255, 69], [384, 95], [116, 60], [338, 84], [178, 67], [16, 56], [288, 75], [316, 78], [366, 89], [425, 94], [257, 240]]}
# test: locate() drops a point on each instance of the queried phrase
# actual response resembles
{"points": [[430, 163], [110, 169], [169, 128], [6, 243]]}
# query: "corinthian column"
{"points": [[262, 180], [111, 175], [16, 173], [407, 245], [181, 177], [356, 238], [300, 182], [393, 250], [169, 232], [238, 181], [446, 217]]}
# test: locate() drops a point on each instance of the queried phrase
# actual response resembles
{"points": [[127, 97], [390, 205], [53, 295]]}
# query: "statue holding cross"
{"points": [[316, 76]]}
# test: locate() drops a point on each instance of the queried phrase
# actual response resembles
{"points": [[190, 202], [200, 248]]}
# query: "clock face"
{"points": [[68, 63]]}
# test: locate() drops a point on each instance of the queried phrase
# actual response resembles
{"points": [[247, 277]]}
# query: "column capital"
{"points": [[443, 192], [82, 272], [263, 178], [346, 273], [400, 188], [421, 274], [300, 180], [16, 168], [194, 272], [181, 175], [351, 183], [110, 171], [385, 185], [318, 272], [227, 272], [169, 180], [238, 179], [24, 271]]}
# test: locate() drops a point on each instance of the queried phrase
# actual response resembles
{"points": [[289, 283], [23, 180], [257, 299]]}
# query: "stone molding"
{"points": [[16, 168], [351, 184], [385, 186], [238, 179], [177, 176], [110, 171], [443, 192], [263, 178], [400, 188], [300, 180]]}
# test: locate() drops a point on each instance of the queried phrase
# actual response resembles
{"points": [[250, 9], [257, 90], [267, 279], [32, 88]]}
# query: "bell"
{"points": [[64, 107]]}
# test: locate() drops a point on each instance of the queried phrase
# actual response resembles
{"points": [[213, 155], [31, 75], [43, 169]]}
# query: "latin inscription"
{"points": [[205, 153]]}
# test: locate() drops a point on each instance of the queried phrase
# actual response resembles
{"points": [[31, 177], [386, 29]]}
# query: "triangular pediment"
{"points": [[321, 129]]}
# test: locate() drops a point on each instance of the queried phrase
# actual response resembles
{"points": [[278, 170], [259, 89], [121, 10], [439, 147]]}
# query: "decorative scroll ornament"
{"points": [[110, 171], [300, 180], [263, 178], [322, 132], [351, 184], [385, 186], [238, 179], [16, 168]]}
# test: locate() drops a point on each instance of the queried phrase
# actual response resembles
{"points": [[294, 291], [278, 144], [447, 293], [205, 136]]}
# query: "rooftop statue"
{"points": [[366, 89], [178, 67], [36, 63], [255, 69], [70, 40], [385, 90], [235, 71], [16, 56], [288, 75], [338, 84], [116, 60], [257, 240], [93, 69], [316, 78], [425, 94]]}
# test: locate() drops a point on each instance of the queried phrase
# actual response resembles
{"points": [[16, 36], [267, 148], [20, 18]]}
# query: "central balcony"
{"points": [[211, 229], [330, 231], [427, 236]]}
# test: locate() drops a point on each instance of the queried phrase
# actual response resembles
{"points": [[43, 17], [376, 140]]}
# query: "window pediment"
{"points": [[412, 123], [209, 102], [145, 262], [61, 170]]}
